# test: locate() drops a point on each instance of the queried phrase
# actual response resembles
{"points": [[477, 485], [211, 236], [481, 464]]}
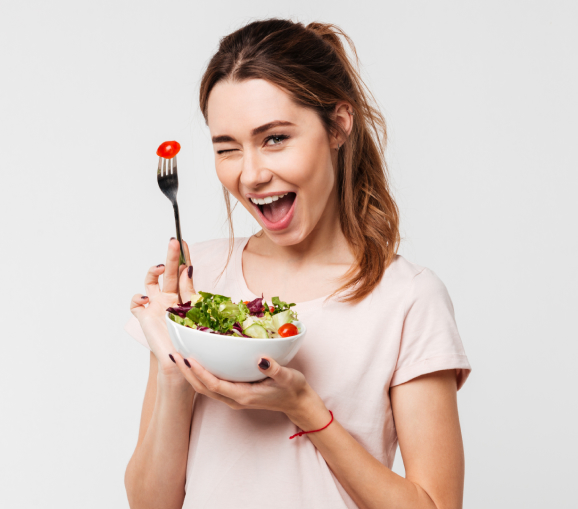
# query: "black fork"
{"points": [[168, 180]]}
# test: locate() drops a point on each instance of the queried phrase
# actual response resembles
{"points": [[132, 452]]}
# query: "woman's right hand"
{"points": [[150, 309]]}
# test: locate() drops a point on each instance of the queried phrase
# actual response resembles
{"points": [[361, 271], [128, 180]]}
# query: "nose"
{"points": [[253, 172]]}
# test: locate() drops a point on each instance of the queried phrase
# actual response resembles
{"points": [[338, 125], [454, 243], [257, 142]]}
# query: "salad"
{"points": [[218, 314]]}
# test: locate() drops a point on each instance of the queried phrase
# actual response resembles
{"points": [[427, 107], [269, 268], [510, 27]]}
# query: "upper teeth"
{"points": [[267, 199]]}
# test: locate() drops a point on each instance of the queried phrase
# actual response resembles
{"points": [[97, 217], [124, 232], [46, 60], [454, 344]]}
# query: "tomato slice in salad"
{"points": [[168, 149], [287, 330]]}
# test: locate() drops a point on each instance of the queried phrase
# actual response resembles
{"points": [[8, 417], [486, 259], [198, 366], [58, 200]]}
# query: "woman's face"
{"points": [[274, 156]]}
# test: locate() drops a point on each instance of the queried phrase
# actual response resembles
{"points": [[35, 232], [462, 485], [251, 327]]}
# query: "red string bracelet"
{"points": [[315, 430]]}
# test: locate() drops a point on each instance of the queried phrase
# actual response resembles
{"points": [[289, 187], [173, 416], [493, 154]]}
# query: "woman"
{"points": [[298, 143]]}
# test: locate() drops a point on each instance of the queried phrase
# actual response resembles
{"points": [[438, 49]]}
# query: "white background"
{"points": [[480, 99]]}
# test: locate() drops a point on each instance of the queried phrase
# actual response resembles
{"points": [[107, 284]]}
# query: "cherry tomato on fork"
{"points": [[287, 330], [168, 149]]}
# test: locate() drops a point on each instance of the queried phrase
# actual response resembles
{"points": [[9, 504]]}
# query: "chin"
{"points": [[290, 237]]}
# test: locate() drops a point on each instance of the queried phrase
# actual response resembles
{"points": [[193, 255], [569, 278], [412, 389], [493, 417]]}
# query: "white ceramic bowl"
{"points": [[232, 358]]}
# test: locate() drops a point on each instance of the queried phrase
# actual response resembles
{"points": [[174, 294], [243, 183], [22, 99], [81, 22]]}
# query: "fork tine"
{"points": [[167, 167]]}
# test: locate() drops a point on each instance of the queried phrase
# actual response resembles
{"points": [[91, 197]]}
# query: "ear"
{"points": [[344, 118]]}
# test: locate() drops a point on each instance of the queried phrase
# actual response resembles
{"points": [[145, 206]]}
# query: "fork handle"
{"points": [[182, 260]]}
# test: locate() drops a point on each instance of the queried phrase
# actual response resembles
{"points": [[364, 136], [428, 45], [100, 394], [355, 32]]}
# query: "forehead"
{"points": [[235, 105]]}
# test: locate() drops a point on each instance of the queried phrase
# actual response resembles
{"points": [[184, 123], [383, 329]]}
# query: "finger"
{"points": [[187, 254], [199, 386], [171, 267], [232, 391], [186, 283], [274, 370], [186, 278], [152, 279], [137, 304], [186, 372], [189, 376]]}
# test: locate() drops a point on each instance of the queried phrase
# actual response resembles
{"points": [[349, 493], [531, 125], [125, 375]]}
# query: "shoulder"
{"points": [[412, 279], [402, 269]]}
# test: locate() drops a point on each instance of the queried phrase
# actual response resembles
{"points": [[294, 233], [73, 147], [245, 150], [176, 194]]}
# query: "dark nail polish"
{"points": [[187, 363], [144, 297], [172, 238], [264, 364], [190, 272], [160, 265], [172, 358]]}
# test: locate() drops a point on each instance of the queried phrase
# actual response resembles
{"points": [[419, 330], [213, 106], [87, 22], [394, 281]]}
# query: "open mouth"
{"points": [[277, 211]]}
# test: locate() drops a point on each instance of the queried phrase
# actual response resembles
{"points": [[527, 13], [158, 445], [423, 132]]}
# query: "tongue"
{"points": [[277, 210]]}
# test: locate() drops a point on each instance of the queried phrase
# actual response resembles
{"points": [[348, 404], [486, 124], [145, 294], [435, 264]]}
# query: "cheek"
{"points": [[228, 175], [315, 171]]}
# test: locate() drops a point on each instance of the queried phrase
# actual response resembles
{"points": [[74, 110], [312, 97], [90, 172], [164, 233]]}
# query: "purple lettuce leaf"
{"points": [[181, 310], [255, 307]]}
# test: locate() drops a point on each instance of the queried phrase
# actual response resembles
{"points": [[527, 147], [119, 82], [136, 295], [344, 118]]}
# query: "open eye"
{"points": [[275, 139]]}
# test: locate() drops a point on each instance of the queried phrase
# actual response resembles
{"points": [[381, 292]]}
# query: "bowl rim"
{"points": [[301, 325]]}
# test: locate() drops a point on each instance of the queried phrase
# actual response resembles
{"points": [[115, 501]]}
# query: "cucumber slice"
{"points": [[281, 319], [256, 331], [248, 322]]}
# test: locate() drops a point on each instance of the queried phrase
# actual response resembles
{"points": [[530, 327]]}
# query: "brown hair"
{"points": [[311, 64]]}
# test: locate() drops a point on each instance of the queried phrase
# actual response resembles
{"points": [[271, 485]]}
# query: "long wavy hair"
{"points": [[311, 64]]}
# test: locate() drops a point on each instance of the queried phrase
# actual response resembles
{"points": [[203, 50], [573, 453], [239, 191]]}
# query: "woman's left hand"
{"points": [[285, 390]]}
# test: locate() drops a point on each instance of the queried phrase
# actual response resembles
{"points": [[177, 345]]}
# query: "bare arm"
{"points": [[428, 429], [155, 475], [430, 437]]}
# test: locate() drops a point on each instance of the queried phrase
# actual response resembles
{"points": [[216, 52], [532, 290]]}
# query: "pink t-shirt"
{"points": [[351, 356]]}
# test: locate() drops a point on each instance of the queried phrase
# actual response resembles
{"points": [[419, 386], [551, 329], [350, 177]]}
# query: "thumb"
{"points": [[274, 370]]}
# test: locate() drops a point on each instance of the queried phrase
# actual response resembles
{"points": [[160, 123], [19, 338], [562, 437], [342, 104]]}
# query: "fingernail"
{"points": [[144, 297], [172, 238], [190, 272], [264, 364], [160, 265], [187, 363], [172, 358]]}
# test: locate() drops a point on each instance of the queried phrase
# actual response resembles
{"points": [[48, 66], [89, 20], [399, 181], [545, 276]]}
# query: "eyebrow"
{"points": [[258, 130]]}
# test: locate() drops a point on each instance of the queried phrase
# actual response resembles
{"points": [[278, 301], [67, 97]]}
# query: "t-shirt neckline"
{"points": [[240, 278]]}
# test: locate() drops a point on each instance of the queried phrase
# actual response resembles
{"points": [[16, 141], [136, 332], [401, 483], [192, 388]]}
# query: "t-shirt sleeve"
{"points": [[430, 340], [134, 329]]}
